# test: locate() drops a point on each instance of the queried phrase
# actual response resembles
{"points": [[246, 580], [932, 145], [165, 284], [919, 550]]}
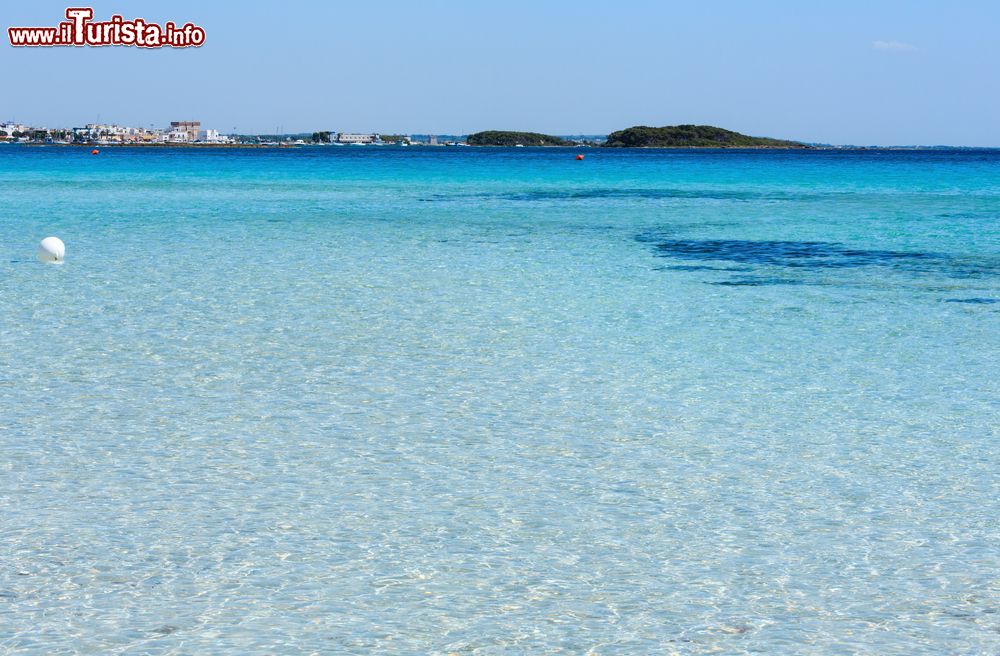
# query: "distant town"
{"points": [[192, 133]]}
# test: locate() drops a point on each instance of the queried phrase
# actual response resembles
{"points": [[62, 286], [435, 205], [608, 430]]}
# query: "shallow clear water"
{"points": [[500, 401]]}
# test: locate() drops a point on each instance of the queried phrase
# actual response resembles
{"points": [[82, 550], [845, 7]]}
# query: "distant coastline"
{"points": [[188, 134], [424, 146], [293, 146], [34, 144]]}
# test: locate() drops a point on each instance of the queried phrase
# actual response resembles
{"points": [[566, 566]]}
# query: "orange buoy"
{"points": [[579, 157], [94, 151]]}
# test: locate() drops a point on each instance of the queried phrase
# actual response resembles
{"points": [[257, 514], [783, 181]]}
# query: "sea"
{"points": [[390, 400]]}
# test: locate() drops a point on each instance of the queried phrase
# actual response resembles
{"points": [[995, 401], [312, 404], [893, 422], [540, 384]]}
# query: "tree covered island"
{"points": [[691, 136], [506, 138]]}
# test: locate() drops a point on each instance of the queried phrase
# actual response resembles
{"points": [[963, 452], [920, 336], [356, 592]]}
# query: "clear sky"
{"points": [[858, 72]]}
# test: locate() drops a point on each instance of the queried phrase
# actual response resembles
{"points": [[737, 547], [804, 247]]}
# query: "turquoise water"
{"points": [[476, 401]]}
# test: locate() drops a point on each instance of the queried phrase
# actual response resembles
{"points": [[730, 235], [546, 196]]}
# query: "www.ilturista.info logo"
{"points": [[79, 30]]}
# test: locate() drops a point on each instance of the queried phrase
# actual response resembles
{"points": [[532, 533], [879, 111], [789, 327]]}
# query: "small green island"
{"points": [[506, 138], [691, 136]]}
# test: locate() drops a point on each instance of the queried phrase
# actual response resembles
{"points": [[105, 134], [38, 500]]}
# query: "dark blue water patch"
{"points": [[610, 193], [587, 194], [809, 256], [166, 629], [969, 215], [754, 281], [792, 254], [973, 301], [701, 267], [964, 269]]}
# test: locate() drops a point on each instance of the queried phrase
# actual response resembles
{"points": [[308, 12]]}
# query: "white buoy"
{"points": [[52, 250]]}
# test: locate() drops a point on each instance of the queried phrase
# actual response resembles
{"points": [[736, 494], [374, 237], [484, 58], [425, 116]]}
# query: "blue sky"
{"points": [[869, 72]]}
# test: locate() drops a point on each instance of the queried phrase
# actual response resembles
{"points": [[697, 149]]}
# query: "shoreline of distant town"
{"points": [[190, 133]]}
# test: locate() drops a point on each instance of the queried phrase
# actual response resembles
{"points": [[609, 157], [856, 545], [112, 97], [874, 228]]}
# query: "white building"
{"points": [[11, 128], [212, 136], [176, 136], [357, 138]]}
